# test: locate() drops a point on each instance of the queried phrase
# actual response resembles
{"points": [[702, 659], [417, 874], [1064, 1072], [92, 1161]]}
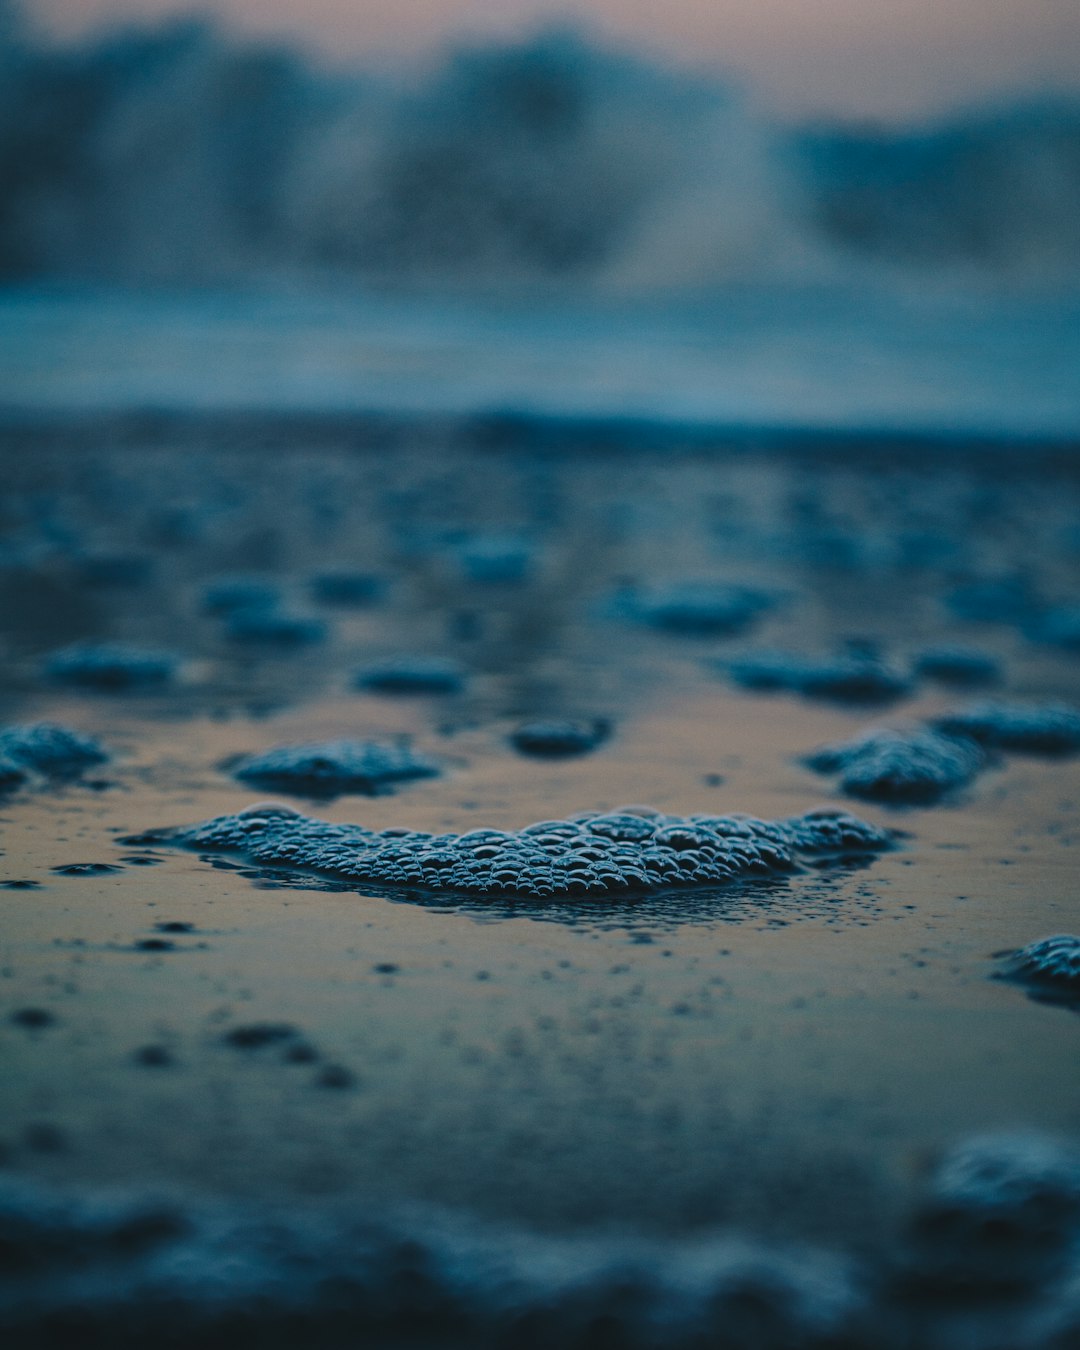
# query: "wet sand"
{"points": [[784, 1062]]}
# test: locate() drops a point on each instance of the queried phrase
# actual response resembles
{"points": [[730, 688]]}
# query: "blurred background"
{"points": [[850, 213]]}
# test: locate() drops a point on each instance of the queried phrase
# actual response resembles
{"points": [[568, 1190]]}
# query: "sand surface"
{"points": [[785, 1060]]}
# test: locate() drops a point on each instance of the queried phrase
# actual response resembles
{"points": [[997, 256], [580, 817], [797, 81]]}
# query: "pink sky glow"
{"points": [[888, 58]]}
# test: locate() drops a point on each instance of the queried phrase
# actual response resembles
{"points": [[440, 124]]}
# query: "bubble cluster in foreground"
{"points": [[915, 766], [634, 850], [1002, 1210], [335, 766], [988, 1261], [130, 1268]]}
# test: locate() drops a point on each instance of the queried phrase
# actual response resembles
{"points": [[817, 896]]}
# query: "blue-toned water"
{"points": [[282, 351], [813, 356]]}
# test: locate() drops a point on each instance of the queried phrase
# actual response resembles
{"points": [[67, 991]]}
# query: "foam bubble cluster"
{"points": [[335, 766], [274, 627], [848, 678], [1059, 627], [634, 850], [230, 594], [994, 600], [496, 560], [1037, 728], [1002, 1210], [127, 1270], [50, 748], [984, 1265], [901, 766], [559, 740], [1051, 964], [44, 748], [957, 665], [346, 588], [111, 665], [701, 607], [412, 675]]}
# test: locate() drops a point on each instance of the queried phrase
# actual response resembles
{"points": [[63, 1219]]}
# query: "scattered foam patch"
{"points": [[92, 869], [1003, 1211], [111, 665], [49, 748], [560, 740], [12, 775], [490, 560], [1037, 728], [964, 666], [633, 851], [334, 767], [114, 569], [34, 1019], [1058, 628], [413, 675], [916, 766], [230, 595], [258, 1035], [984, 1265], [274, 627], [347, 589], [851, 678], [700, 607], [1008, 600], [1050, 967]]}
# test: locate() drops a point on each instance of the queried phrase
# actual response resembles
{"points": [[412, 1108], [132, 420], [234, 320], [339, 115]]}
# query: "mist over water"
{"points": [[176, 155]]}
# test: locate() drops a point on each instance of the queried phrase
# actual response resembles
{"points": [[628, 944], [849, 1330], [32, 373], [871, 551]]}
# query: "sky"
{"points": [[891, 59]]}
